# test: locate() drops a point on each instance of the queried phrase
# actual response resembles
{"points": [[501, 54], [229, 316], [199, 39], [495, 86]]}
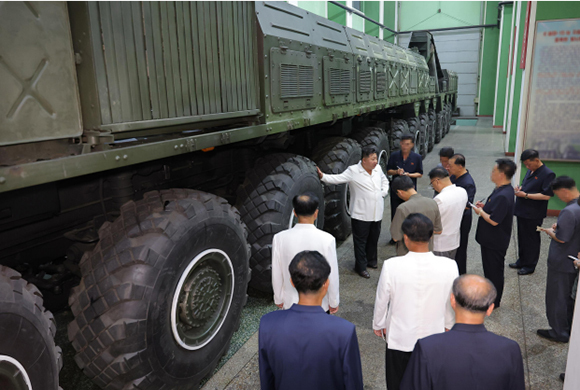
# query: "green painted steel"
{"points": [[158, 64], [38, 95], [311, 71], [488, 60], [515, 107], [502, 65]]}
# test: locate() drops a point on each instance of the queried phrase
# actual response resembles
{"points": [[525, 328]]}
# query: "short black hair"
{"points": [[309, 270], [418, 227], [506, 166], [408, 136], [438, 173], [306, 204], [446, 151], [368, 150], [474, 299], [459, 159], [529, 154], [403, 183], [563, 182]]}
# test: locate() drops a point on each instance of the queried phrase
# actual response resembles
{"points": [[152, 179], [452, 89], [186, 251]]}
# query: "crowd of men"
{"points": [[428, 310]]}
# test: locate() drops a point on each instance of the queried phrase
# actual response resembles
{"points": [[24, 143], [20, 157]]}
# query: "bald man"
{"points": [[468, 356]]}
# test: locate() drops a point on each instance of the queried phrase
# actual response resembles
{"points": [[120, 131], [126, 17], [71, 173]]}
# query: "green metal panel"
{"points": [[337, 81], [394, 79], [167, 63], [293, 80], [38, 99]]}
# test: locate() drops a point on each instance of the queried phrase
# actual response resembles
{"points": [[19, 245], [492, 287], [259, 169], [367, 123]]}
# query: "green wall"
{"points": [[503, 61], [372, 10], [337, 14], [488, 60], [548, 10], [518, 79], [419, 15], [389, 20], [316, 7]]}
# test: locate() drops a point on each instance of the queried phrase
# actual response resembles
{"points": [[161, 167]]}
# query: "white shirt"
{"points": [[451, 201], [413, 298], [289, 243], [366, 191]]}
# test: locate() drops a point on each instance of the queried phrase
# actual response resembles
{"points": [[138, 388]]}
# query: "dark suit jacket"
{"points": [[466, 357], [304, 348]]}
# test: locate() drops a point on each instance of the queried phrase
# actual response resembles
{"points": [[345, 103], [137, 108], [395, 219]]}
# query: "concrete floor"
{"points": [[521, 313]]}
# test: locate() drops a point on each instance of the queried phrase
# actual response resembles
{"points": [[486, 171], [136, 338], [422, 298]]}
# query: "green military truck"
{"points": [[149, 151]]}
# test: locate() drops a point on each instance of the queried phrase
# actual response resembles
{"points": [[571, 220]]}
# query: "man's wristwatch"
{"points": [[527, 196]]}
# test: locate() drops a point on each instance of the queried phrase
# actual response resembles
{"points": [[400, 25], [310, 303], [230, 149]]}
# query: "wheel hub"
{"points": [[13, 376], [202, 299]]}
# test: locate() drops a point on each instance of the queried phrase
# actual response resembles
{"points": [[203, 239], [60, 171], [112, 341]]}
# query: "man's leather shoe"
{"points": [[365, 274], [374, 266], [562, 376], [525, 271], [545, 333], [515, 265]]}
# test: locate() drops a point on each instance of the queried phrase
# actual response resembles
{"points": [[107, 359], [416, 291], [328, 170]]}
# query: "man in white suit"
{"points": [[304, 236]]}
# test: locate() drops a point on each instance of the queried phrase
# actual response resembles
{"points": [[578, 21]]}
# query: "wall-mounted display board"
{"points": [[553, 116]]}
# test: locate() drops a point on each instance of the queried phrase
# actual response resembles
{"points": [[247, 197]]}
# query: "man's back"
{"points": [[413, 298], [286, 245], [466, 357], [451, 202], [415, 204], [305, 348]]}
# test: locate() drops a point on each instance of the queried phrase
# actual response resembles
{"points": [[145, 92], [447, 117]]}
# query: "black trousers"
{"points": [[395, 202], [365, 236], [493, 268], [395, 365], [461, 255], [529, 242], [559, 303]]}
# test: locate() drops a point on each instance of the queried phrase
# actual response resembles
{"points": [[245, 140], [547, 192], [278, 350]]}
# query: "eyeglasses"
{"points": [[431, 183]]}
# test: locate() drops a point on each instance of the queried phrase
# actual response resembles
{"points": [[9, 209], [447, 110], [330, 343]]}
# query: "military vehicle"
{"points": [[149, 151]]}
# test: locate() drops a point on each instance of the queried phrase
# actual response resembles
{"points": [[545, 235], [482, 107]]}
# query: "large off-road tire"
{"points": [[265, 203], [377, 138], [398, 128], [29, 359], [432, 129], [333, 155], [425, 134], [162, 292], [440, 126], [416, 132]]}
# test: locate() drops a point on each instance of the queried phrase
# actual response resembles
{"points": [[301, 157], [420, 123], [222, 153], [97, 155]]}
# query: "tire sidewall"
{"points": [[169, 359]]}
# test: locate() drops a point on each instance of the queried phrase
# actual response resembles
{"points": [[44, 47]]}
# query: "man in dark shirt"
{"points": [[531, 206], [303, 347], [404, 162], [461, 178], [494, 227], [565, 235], [468, 356]]}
